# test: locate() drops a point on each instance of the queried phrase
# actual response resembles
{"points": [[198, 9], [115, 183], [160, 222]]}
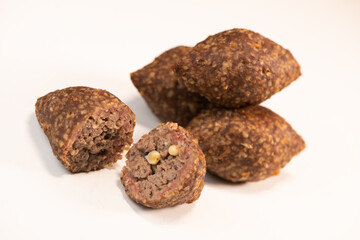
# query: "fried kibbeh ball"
{"points": [[166, 167], [246, 144], [87, 128], [236, 68], [169, 100]]}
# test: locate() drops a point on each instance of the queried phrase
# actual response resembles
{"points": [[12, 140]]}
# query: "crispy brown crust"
{"points": [[169, 100], [247, 144], [187, 186], [62, 114], [237, 67]]}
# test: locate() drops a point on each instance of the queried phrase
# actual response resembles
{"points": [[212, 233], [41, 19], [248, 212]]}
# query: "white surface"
{"points": [[47, 45]]}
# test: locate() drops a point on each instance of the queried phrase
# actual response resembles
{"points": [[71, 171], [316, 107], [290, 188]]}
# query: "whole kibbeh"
{"points": [[246, 144], [169, 100], [166, 167], [87, 128], [236, 68]]}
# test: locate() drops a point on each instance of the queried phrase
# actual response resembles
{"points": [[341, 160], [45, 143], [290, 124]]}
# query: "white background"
{"points": [[48, 45]]}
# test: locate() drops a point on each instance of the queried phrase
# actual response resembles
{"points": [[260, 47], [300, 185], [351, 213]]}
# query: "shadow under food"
{"points": [[143, 113], [264, 185], [213, 179]]}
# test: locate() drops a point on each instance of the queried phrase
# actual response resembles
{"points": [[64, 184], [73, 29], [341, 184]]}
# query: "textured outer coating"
{"points": [[169, 100], [188, 184], [237, 67], [247, 144], [62, 114]]}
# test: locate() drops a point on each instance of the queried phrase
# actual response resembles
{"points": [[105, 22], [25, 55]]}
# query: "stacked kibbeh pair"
{"points": [[213, 90]]}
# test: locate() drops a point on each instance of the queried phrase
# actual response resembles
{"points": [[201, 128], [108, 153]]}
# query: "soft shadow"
{"points": [[163, 215], [215, 180], [51, 163], [248, 187], [267, 185], [143, 113]]}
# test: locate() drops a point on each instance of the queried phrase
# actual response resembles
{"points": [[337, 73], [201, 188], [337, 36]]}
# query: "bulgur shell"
{"points": [[237, 67], [169, 100], [63, 113], [247, 144]]}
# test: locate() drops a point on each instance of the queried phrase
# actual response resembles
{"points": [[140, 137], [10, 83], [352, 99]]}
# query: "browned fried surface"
{"points": [[174, 179], [87, 128], [168, 99], [247, 144], [237, 67]]}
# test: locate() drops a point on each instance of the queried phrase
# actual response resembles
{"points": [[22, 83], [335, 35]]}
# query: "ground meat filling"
{"points": [[100, 138], [154, 178]]}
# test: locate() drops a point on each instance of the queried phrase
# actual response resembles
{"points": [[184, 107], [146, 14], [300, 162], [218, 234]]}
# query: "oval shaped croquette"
{"points": [[237, 68], [246, 144]]}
